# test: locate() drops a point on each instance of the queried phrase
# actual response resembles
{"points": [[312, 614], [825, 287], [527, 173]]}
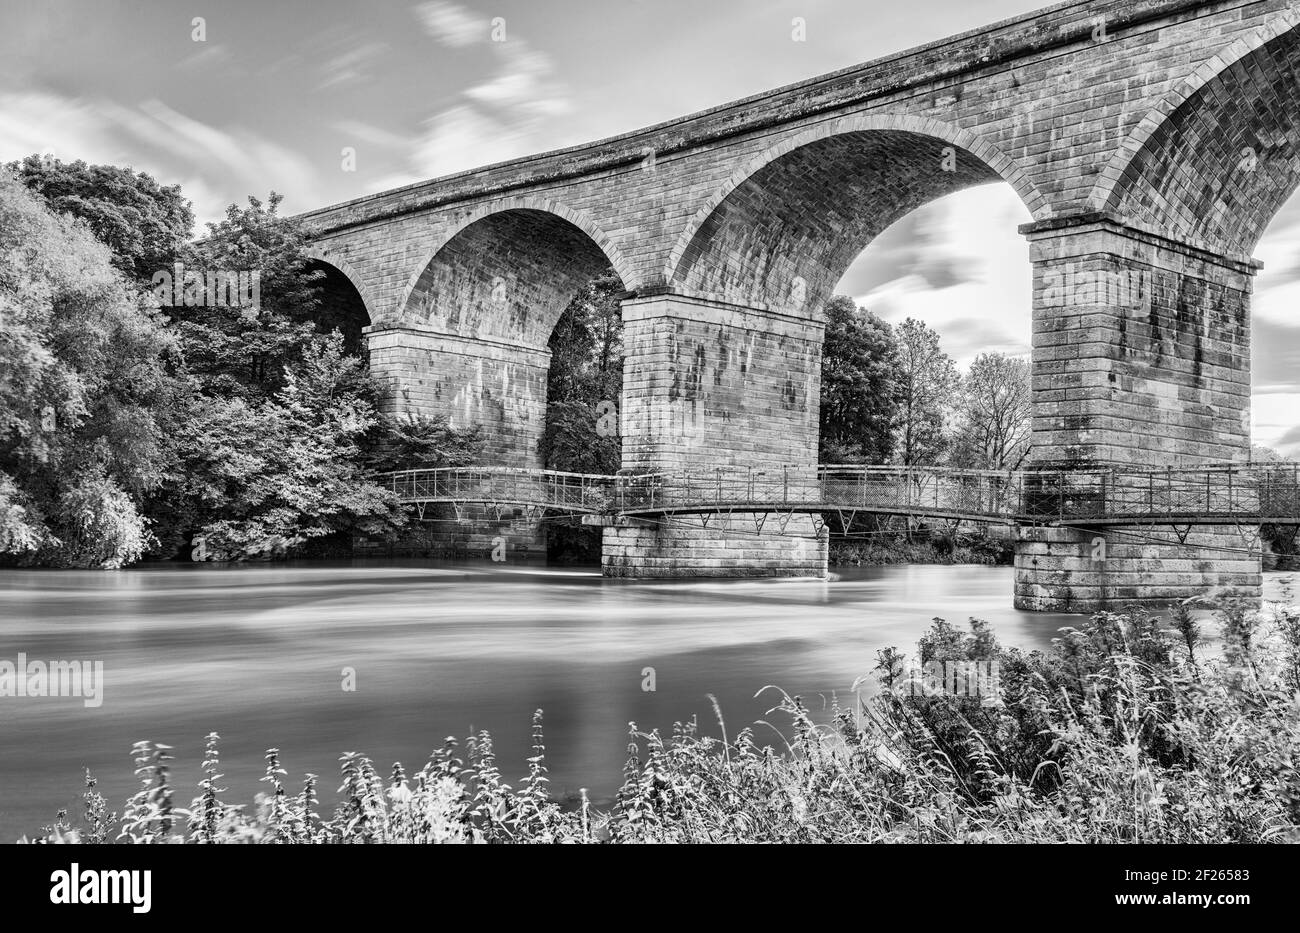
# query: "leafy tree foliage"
{"points": [[993, 417], [84, 373], [271, 476], [927, 382], [584, 388], [145, 224], [586, 370], [282, 433], [859, 394], [245, 349], [422, 442], [240, 428]]}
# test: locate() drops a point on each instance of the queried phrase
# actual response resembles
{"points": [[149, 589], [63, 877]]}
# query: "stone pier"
{"points": [[708, 384], [1141, 358]]}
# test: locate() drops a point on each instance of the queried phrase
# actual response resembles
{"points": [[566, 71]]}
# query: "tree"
{"points": [[145, 224], [131, 421], [238, 353], [584, 387], [1280, 540], [859, 395], [85, 375], [586, 371], [244, 348], [927, 381], [270, 476], [993, 428], [418, 442]]}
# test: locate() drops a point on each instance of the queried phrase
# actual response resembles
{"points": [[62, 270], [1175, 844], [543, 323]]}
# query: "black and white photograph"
{"points": [[790, 422]]}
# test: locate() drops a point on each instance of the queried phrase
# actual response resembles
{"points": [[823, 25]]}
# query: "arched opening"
{"points": [[943, 300], [500, 308], [506, 276], [1275, 367], [340, 305], [785, 235], [1219, 166], [814, 230]]}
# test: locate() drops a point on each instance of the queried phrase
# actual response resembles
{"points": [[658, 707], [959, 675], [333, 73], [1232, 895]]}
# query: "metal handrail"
{"points": [[1198, 495]]}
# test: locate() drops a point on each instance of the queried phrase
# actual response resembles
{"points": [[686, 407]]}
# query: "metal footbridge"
{"points": [[1240, 494]]}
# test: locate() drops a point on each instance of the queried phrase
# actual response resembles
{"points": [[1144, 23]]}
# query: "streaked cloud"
{"points": [[499, 118], [959, 265], [155, 138], [452, 24], [352, 65]]}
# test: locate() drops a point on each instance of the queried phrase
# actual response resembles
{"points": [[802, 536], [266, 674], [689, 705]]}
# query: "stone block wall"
{"points": [[1141, 349], [1083, 570], [729, 546], [709, 385], [498, 386], [1141, 357]]}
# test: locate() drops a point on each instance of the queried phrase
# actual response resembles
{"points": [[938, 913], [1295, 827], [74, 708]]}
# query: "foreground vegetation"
{"points": [[1127, 730]]}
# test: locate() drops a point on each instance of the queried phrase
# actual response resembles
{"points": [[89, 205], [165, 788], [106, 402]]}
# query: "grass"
{"points": [[1128, 730]]}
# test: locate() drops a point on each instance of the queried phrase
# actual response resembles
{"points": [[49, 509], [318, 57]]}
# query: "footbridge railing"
{"points": [[1246, 493]]}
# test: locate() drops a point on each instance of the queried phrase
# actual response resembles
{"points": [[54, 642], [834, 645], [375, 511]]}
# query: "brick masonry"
{"points": [[1151, 141]]}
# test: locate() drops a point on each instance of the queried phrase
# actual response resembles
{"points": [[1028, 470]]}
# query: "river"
{"points": [[257, 653]]}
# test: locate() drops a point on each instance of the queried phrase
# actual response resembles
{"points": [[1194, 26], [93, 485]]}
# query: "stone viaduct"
{"points": [[1152, 141]]}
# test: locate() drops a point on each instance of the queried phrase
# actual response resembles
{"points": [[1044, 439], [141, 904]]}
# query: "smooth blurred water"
{"points": [[256, 654]]}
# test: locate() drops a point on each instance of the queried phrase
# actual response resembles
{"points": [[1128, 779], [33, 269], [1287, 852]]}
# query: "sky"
{"points": [[267, 95]]}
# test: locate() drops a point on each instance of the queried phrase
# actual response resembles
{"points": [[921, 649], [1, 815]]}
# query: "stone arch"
{"points": [[350, 314], [859, 140], [507, 269], [1187, 168], [323, 255]]}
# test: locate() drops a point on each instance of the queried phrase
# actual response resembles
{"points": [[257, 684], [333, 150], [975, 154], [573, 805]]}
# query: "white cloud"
{"points": [[503, 117], [959, 265], [450, 23], [464, 137], [175, 148], [214, 54], [374, 135], [351, 65]]}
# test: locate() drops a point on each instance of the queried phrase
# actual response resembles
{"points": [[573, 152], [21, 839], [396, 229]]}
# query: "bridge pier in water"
{"points": [[710, 385], [1141, 357], [471, 382]]}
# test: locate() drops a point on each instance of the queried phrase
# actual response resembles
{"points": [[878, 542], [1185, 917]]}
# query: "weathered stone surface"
{"points": [[730, 546], [1141, 356], [708, 385]]}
